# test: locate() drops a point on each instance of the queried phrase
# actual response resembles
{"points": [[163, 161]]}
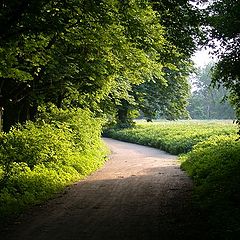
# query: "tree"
{"points": [[182, 22], [94, 54], [169, 98], [207, 102], [222, 19], [76, 52]]}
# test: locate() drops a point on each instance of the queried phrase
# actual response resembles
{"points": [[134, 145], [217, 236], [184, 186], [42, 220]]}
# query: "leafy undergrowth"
{"points": [[39, 159], [214, 166], [210, 154]]}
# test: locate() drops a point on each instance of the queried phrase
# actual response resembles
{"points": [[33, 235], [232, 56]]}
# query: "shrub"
{"points": [[214, 166], [84, 127], [39, 158]]}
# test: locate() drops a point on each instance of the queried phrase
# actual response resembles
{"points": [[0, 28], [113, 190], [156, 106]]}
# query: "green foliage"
{"points": [[223, 18], [214, 166], [181, 19], [85, 129], [77, 53], [168, 99], [39, 159], [26, 187], [92, 54], [34, 144], [174, 137]]}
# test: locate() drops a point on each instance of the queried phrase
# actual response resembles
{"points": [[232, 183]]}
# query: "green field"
{"points": [[173, 136], [210, 153]]}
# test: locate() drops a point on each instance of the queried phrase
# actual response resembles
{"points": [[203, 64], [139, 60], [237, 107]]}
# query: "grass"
{"points": [[210, 154]]}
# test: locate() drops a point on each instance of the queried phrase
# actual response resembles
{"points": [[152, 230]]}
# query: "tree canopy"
{"points": [[93, 54]]}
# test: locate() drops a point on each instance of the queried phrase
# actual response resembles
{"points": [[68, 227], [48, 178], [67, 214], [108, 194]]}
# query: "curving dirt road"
{"points": [[140, 193]]}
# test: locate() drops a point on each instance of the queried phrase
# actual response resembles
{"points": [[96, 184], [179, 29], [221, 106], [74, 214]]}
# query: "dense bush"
{"points": [[214, 166], [38, 159]]}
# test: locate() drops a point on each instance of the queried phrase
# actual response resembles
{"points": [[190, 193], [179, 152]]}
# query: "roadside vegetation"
{"points": [[109, 59], [99, 59], [214, 166], [210, 153], [39, 159], [173, 137]]}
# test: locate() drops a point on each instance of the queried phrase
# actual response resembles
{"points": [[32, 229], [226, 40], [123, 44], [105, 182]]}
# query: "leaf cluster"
{"points": [[80, 51]]}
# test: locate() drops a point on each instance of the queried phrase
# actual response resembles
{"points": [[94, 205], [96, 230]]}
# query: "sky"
{"points": [[201, 58]]}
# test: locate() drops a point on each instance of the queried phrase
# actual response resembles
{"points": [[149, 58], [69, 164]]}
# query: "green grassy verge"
{"points": [[211, 156], [39, 159]]}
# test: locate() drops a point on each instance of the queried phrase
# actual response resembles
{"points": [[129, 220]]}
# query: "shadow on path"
{"points": [[139, 194]]}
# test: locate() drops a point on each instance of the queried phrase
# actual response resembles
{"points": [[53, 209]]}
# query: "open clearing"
{"points": [[140, 193]]}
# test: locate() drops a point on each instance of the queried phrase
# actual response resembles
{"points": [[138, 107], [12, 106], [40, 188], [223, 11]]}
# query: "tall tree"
{"points": [[169, 98], [222, 19], [207, 102]]}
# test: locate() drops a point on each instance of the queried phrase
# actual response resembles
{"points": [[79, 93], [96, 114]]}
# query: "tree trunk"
{"points": [[123, 119], [17, 113], [122, 115], [1, 118]]}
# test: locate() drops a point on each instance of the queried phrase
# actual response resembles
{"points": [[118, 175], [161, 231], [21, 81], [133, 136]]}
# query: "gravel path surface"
{"points": [[140, 193]]}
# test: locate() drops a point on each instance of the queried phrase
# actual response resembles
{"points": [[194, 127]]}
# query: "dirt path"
{"points": [[140, 193]]}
